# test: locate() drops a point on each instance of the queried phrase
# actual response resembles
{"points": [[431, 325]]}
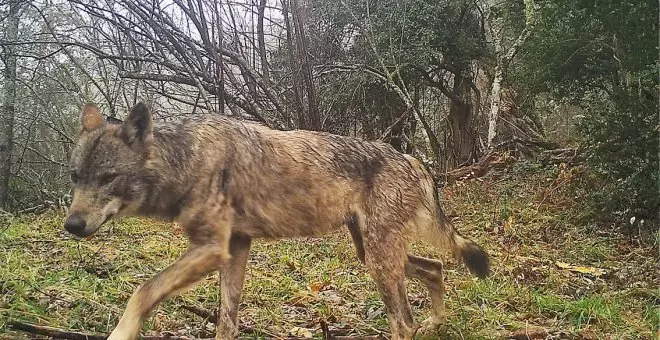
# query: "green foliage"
{"points": [[579, 46], [623, 149], [602, 57], [412, 40], [407, 34]]}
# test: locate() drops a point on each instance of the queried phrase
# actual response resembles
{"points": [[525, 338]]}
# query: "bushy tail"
{"points": [[439, 231], [474, 257]]}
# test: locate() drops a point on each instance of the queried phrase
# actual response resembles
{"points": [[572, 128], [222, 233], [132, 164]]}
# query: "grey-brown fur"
{"points": [[227, 182]]}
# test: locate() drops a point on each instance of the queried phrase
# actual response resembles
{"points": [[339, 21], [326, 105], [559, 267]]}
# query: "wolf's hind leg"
{"points": [[191, 267], [232, 277], [356, 235], [429, 272]]}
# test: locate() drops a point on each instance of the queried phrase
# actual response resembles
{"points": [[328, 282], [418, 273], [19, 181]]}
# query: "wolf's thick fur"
{"points": [[227, 182]]}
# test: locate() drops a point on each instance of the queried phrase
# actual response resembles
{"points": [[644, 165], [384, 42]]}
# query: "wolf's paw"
{"points": [[118, 336], [430, 325], [225, 330]]}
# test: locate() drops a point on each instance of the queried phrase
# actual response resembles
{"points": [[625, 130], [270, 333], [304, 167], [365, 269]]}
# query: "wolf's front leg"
{"points": [[232, 277], [191, 267]]}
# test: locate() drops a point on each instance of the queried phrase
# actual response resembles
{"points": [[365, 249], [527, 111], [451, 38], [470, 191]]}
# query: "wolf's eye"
{"points": [[108, 178], [74, 177]]}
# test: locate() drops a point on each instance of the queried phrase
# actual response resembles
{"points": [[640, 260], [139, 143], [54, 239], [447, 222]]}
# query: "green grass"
{"points": [[524, 223], [592, 309]]}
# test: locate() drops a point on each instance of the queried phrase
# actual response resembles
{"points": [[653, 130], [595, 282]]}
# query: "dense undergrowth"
{"points": [[555, 274]]}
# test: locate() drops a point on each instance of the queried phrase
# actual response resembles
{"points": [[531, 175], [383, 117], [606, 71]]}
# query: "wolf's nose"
{"points": [[75, 224]]}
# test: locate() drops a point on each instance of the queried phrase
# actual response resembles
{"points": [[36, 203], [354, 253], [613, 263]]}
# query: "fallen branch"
{"points": [[328, 334], [567, 155], [476, 170], [543, 151], [71, 335]]}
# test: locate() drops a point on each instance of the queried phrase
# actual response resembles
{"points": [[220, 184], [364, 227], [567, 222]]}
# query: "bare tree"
{"points": [[179, 45], [9, 105], [287, 63], [305, 72]]}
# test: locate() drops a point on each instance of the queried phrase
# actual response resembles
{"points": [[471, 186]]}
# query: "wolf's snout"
{"points": [[75, 224]]}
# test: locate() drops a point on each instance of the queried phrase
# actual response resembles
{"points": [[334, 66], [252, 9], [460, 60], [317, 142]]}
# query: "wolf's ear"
{"points": [[137, 129], [91, 118]]}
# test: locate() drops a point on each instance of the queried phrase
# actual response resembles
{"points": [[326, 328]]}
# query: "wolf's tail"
{"points": [[473, 255], [438, 231]]}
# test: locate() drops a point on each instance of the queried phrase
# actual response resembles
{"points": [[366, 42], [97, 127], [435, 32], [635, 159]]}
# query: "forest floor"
{"points": [[553, 274]]}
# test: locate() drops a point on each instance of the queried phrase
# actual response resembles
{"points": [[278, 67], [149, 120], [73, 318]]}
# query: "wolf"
{"points": [[226, 182]]}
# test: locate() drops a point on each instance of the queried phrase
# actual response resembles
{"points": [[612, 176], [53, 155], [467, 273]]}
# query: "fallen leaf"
{"points": [[509, 223], [587, 335], [580, 269], [374, 312], [317, 286], [301, 332], [529, 334], [331, 296]]}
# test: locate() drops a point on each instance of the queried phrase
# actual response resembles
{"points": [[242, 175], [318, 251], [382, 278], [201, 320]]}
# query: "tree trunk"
{"points": [[503, 61], [219, 77], [463, 136], [411, 124], [9, 106], [262, 42], [495, 98], [412, 128], [293, 64], [313, 116]]}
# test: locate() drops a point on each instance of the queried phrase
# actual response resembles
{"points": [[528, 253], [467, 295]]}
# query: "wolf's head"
{"points": [[107, 168]]}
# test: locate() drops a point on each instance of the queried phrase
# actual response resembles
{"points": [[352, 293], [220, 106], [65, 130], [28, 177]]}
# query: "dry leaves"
{"points": [[529, 334], [301, 332], [580, 269]]}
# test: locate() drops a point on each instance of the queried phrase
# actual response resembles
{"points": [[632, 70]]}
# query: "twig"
{"points": [[212, 316], [204, 313], [31, 209], [326, 330]]}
